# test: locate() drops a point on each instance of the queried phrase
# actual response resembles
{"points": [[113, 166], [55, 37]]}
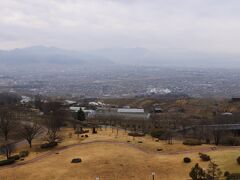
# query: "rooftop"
{"points": [[130, 110]]}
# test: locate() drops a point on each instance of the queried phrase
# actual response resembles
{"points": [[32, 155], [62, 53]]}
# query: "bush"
{"points": [[231, 141], [49, 145], [86, 135], [187, 160], [226, 174], [140, 142], [81, 131], [15, 157], [157, 133], [76, 160], [135, 134], [204, 157], [159, 149], [7, 162], [24, 154], [234, 176], [192, 142], [238, 160]]}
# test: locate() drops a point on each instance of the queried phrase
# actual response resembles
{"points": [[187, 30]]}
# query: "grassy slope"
{"points": [[118, 161]]}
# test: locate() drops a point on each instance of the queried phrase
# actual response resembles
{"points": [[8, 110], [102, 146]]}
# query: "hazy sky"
{"points": [[183, 25]]}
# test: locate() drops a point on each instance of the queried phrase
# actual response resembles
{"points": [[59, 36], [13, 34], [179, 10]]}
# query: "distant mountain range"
{"points": [[40, 55], [169, 58], [50, 56]]}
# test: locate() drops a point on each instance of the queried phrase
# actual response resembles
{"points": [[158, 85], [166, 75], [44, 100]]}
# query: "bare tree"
{"points": [[53, 125], [213, 171], [30, 131], [217, 135], [6, 124], [7, 149]]}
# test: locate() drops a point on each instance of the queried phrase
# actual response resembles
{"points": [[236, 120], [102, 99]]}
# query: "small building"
{"points": [[76, 108], [157, 110], [130, 110], [132, 113], [25, 99], [69, 102], [89, 113], [227, 114]]}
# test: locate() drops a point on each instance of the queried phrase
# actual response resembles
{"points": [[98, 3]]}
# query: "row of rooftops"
{"points": [[119, 110]]}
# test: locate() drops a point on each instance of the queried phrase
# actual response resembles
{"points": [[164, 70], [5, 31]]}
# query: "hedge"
{"points": [[15, 157], [7, 162], [49, 145], [135, 134], [157, 133], [192, 142]]}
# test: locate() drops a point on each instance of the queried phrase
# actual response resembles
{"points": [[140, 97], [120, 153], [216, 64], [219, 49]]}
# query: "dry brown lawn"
{"points": [[113, 160]]}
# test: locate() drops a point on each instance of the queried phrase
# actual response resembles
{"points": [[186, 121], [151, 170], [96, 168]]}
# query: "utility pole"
{"points": [[153, 175]]}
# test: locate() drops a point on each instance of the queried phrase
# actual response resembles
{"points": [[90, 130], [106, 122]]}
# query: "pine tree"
{"points": [[197, 173], [81, 115], [213, 171]]}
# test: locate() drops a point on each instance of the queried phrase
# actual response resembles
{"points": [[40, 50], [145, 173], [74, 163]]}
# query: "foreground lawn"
{"points": [[110, 157]]}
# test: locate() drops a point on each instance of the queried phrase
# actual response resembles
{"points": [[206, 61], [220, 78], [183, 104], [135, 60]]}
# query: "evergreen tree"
{"points": [[81, 115], [213, 171], [197, 173]]}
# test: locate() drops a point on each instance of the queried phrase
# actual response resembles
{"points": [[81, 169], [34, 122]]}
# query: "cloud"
{"points": [[199, 25]]}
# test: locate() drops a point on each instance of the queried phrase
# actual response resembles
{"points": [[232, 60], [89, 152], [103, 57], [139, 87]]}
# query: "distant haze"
{"points": [[204, 32], [36, 56]]}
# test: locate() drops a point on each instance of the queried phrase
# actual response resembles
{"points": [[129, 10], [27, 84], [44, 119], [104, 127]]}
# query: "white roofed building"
{"points": [[130, 110], [132, 113]]}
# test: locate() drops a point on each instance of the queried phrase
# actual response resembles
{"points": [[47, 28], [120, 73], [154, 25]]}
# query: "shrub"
{"points": [[140, 142], [24, 154], [157, 133], [187, 160], [76, 160], [204, 157], [15, 157], [231, 141], [49, 145], [192, 142], [197, 173], [86, 135], [226, 174], [238, 160], [6, 162], [159, 149], [135, 134], [234, 176]]}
